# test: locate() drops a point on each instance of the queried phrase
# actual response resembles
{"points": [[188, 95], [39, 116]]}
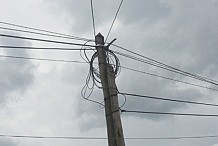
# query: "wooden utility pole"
{"points": [[112, 113]]}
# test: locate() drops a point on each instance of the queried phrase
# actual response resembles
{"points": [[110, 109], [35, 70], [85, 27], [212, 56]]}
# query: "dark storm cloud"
{"points": [[16, 74]]}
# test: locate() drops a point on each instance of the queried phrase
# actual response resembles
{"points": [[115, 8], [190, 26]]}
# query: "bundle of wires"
{"points": [[93, 77]]}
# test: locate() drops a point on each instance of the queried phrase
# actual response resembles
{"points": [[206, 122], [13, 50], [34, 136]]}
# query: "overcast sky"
{"points": [[43, 98]]}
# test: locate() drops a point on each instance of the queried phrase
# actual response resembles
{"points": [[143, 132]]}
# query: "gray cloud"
{"points": [[186, 38], [17, 74], [179, 33], [78, 13], [76, 78], [144, 12]]}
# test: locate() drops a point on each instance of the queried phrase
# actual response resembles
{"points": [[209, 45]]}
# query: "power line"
{"points": [[168, 99], [41, 59], [167, 78], [166, 113], [114, 20], [162, 64], [169, 69], [36, 29], [104, 138], [44, 34], [44, 48], [93, 19], [44, 40], [54, 137], [174, 138]]}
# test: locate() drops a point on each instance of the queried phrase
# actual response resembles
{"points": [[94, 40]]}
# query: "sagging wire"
{"points": [[113, 61], [84, 49], [88, 88], [125, 100], [93, 77]]}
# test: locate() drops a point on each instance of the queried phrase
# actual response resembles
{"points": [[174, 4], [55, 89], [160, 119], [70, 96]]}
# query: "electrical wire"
{"points": [[125, 100], [44, 34], [153, 64], [160, 63], [113, 60], [167, 78], [93, 18], [164, 67], [51, 32], [44, 40], [95, 74], [104, 138], [93, 77], [168, 99], [114, 20], [90, 82], [41, 59], [43, 48], [168, 113], [169, 69]]}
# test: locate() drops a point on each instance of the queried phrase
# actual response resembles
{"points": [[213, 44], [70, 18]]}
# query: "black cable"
{"points": [[162, 64], [53, 137], [93, 18], [43, 48], [44, 34], [93, 77], [90, 82], [154, 64], [163, 67], [116, 64], [114, 20], [164, 77], [95, 73], [173, 138], [43, 40], [84, 50], [168, 99], [124, 100], [41, 59], [104, 138], [21, 26], [166, 113], [166, 68]]}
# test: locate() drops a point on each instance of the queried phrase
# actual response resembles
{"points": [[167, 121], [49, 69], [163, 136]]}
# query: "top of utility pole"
{"points": [[99, 39]]}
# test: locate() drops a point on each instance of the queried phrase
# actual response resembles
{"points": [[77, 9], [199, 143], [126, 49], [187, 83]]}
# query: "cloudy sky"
{"points": [[44, 98]]}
